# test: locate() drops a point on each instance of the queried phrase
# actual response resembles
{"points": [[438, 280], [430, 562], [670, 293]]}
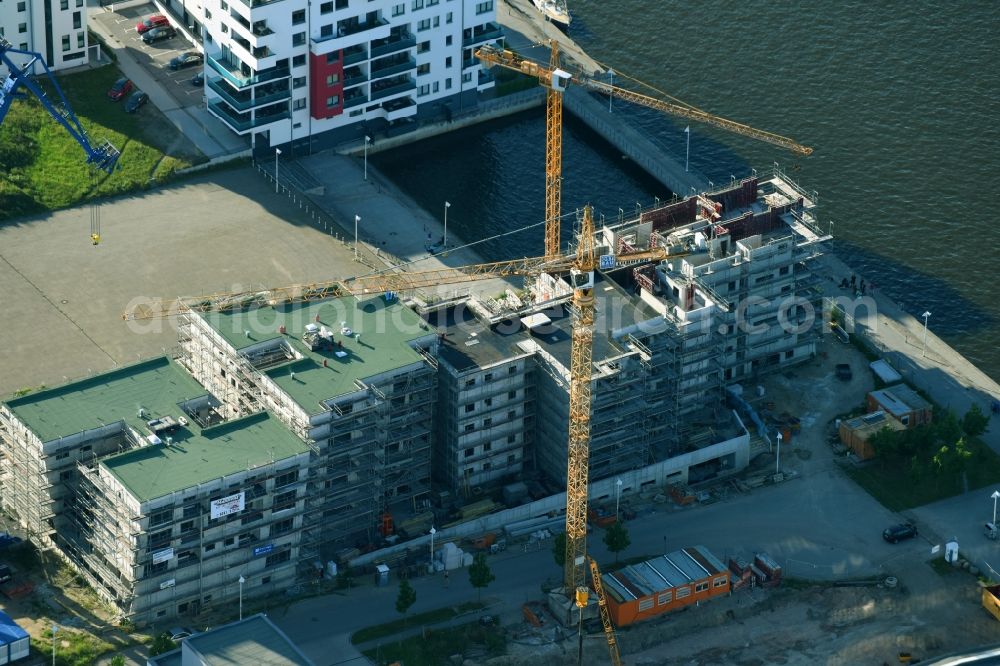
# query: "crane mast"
{"points": [[602, 602], [553, 160]]}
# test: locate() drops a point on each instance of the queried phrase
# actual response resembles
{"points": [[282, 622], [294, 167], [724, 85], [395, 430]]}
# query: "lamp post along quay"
{"points": [[995, 496], [242, 580], [926, 315], [277, 152]]}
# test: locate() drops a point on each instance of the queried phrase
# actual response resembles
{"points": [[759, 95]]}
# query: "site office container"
{"points": [[14, 641], [664, 601]]}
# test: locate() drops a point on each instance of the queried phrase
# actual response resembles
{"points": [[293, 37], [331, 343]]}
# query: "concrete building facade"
{"points": [[55, 28]]}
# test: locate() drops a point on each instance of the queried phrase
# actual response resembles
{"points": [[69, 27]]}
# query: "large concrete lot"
{"points": [[64, 297]]}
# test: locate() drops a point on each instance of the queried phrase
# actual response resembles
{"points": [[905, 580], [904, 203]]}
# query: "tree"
{"points": [[974, 422], [407, 597], [616, 538], [885, 443], [161, 644], [117, 660], [479, 574], [953, 460], [559, 549]]}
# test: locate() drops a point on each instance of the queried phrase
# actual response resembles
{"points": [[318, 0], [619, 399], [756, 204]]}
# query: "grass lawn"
{"points": [[894, 487], [435, 646], [73, 648], [429, 617], [42, 167]]}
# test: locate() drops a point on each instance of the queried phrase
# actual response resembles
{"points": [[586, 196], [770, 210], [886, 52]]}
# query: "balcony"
{"points": [[388, 87], [355, 54], [354, 100], [485, 77], [483, 33], [389, 66], [242, 101], [254, 4], [354, 76], [260, 29], [392, 44], [234, 75], [241, 123], [352, 27]]}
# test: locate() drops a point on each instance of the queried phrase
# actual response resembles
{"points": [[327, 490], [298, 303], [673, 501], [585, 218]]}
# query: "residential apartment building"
{"points": [[355, 380], [158, 504], [55, 28], [325, 72]]}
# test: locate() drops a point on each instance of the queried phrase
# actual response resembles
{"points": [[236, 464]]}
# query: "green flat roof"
{"points": [[234, 446], [386, 331], [156, 385]]}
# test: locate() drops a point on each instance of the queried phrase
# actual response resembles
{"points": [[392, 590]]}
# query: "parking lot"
{"points": [[154, 58]]}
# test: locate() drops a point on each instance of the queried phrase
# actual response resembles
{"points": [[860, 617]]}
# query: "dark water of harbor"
{"points": [[899, 100]]}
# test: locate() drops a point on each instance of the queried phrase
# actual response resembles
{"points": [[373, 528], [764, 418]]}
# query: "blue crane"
{"points": [[103, 156]]}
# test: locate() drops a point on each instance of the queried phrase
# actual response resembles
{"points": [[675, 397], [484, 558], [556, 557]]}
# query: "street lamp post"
{"points": [[611, 82], [55, 628], [277, 151], [926, 315], [367, 141], [357, 218], [777, 456], [444, 239], [242, 580], [433, 532], [995, 496], [618, 497]]}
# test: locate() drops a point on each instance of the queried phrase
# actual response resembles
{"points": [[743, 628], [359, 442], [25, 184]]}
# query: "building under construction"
{"points": [[162, 508], [355, 380]]}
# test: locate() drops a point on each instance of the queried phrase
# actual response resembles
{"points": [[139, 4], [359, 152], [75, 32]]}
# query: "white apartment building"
{"points": [[336, 70], [55, 28]]}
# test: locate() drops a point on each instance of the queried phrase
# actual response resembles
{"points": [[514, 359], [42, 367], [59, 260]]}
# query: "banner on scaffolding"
{"points": [[227, 505]]}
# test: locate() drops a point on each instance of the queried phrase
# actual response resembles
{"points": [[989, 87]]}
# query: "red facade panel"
{"points": [[322, 87]]}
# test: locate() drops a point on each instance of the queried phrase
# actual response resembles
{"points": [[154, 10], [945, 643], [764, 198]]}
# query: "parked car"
{"points": [[136, 100], [899, 532], [154, 21], [7, 540], [198, 79], [177, 634], [158, 34], [121, 88], [844, 372], [188, 59]]}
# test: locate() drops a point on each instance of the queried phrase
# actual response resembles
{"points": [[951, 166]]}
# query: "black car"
{"points": [[844, 372], [198, 80], [900, 532], [188, 59], [136, 100], [158, 34]]}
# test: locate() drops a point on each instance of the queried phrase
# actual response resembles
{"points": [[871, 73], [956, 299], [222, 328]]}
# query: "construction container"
{"points": [[14, 641]]}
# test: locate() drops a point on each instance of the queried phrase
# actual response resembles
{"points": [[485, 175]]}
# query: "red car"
{"points": [[121, 88], [154, 21]]}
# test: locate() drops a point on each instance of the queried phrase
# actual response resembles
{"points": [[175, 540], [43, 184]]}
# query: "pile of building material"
{"points": [[763, 571], [451, 557], [534, 525]]}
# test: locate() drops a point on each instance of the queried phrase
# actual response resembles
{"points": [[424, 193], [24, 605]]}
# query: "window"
{"points": [[64, 454], [512, 370], [436, 86], [423, 69], [437, 21], [223, 5], [326, 8], [159, 539], [355, 113], [719, 582], [511, 415], [488, 446], [76, 20], [209, 548], [424, 25], [399, 10], [663, 599], [645, 604], [431, 3], [298, 39], [447, 19], [421, 91], [511, 439], [469, 408], [332, 79], [23, 27], [299, 104], [469, 453], [299, 82], [783, 270], [488, 377], [187, 526], [281, 527], [418, 4], [471, 426], [326, 31], [682, 592], [153, 569], [298, 17], [332, 57], [701, 587], [342, 4], [447, 40], [64, 4], [466, 77], [286, 479], [488, 402], [447, 84], [161, 517], [423, 47], [905, 420], [447, 61], [21, 6], [284, 501], [277, 558], [470, 383], [66, 474], [487, 422], [79, 3], [512, 395], [298, 61], [265, 580], [483, 7]]}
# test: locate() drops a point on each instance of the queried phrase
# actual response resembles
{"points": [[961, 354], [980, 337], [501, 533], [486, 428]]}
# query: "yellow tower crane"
{"points": [[602, 602], [580, 265], [556, 81]]}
